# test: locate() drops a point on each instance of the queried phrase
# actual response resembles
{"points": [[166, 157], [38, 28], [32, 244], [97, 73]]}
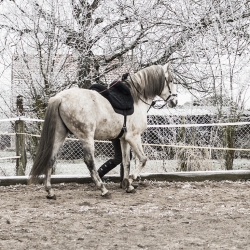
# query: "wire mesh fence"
{"points": [[171, 143]]}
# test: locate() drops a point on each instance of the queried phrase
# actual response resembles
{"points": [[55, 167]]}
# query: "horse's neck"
{"points": [[140, 101]]}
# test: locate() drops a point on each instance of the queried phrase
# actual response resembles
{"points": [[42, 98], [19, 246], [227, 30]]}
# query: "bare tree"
{"points": [[95, 37], [153, 32], [222, 59], [100, 36]]}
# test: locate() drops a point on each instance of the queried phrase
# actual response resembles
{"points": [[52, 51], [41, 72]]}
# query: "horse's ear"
{"points": [[166, 67]]}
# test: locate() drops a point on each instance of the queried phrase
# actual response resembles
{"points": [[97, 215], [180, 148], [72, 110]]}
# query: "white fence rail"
{"points": [[172, 143]]}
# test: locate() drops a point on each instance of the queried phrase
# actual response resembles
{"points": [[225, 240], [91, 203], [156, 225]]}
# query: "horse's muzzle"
{"points": [[172, 103]]}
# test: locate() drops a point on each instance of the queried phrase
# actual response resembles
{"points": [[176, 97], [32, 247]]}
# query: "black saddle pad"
{"points": [[118, 95]]}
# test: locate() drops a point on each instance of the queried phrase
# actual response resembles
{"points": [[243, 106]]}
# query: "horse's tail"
{"points": [[45, 148]]}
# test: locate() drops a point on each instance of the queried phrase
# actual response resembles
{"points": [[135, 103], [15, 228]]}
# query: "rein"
{"points": [[124, 77], [109, 87]]}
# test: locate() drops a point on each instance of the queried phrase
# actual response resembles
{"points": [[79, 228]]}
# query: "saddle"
{"points": [[120, 98]]}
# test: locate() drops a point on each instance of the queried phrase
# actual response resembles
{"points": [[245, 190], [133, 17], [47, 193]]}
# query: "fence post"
{"points": [[20, 148], [20, 139]]}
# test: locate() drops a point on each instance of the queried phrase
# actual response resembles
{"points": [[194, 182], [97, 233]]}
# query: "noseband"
{"points": [[170, 92]]}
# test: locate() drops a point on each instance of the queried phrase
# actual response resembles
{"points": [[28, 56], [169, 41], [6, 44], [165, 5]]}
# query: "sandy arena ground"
{"points": [[160, 215]]}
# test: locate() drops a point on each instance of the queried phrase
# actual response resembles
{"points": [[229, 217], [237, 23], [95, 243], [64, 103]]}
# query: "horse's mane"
{"points": [[147, 83]]}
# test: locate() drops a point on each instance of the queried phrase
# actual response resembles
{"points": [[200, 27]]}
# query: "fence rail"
{"points": [[230, 175], [172, 143]]}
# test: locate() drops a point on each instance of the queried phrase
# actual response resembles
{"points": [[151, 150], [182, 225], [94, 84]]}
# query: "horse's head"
{"points": [[169, 93]]}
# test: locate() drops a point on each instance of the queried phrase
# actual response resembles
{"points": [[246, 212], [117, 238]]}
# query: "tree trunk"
{"points": [[84, 76]]}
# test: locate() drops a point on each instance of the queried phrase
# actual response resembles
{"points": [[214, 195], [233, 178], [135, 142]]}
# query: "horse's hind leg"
{"points": [[47, 183], [61, 133], [88, 150]]}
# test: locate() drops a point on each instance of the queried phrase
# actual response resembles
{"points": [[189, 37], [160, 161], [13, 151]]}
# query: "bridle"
{"points": [[170, 92], [155, 101]]}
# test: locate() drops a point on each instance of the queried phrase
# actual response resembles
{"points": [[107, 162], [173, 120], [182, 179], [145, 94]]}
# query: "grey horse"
{"points": [[89, 116]]}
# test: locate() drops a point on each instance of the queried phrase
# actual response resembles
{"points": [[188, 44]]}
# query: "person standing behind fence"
{"points": [[112, 163]]}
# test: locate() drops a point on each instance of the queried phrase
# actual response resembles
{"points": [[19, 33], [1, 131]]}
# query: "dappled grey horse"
{"points": [[90, 116]]}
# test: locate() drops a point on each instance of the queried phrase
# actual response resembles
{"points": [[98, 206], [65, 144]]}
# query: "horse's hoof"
{"points": [[132, 176], [51, 197], [125, 183], [134, 185], [107, 195], [131, 191]]}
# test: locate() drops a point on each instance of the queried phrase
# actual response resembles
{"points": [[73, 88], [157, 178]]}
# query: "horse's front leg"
{"points": [[136, 145], [126, 184]]}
